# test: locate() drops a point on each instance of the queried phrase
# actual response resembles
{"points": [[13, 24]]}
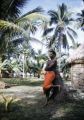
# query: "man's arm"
{"points": [[50, 65]]}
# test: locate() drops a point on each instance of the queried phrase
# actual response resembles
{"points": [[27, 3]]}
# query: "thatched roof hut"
{"points": [[77, 56], [76, 61]]}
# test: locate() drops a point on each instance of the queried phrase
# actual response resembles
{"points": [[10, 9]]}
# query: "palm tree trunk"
{"points": [[59, 59], [23, 66]]}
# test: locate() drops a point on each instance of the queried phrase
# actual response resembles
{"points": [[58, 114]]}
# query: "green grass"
{"points": [[20, 81]]}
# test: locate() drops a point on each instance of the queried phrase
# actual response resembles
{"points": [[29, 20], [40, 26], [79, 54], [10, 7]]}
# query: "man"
{"points": [[50, 85]]}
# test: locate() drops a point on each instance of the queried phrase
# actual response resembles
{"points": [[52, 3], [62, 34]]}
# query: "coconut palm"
{"points": [[61, 20]]}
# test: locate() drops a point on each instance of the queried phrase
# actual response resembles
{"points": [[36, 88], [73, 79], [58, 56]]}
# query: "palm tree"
{"points": [[61, 20]]}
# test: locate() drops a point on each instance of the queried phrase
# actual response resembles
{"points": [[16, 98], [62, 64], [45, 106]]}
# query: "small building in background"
{"points": [[76, 63]]}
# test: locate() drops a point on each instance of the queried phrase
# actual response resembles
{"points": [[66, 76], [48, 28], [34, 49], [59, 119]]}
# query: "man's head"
{"points": [[51, 53]]}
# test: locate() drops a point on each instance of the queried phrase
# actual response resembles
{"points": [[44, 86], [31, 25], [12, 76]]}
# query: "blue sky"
{"points": [[50, 4]]}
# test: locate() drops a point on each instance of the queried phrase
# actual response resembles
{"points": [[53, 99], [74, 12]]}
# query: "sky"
{"points": [[73, 5], [51, 4]]}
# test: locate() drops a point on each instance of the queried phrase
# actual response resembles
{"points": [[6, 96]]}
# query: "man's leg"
{"points": [[47, 93], [54, 91]]}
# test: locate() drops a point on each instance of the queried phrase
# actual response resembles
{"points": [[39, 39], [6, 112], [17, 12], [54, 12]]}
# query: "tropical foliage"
{"points": [[13, 30]]}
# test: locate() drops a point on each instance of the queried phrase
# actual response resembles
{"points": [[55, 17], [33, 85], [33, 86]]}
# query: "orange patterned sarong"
{"points": [[48, 79]]}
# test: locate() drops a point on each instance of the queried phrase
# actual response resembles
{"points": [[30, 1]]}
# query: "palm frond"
{"points": [[52, 40], [33, 29], [36, 10], [71, 37], [56, 32], [72, 31], [17, 41], [53, 20], [5, 25], [18, 3], [47, 31], [53, 14], [67, 15], [32, 16], [63, 9], [35, 40], [34, 19]]}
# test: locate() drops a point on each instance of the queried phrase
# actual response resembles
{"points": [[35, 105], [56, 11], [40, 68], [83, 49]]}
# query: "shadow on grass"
{"points": [[32, 109], [70, 110]]}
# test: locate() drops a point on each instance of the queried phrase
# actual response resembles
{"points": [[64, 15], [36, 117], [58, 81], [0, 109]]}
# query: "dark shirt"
{"points": [[51, 65]]}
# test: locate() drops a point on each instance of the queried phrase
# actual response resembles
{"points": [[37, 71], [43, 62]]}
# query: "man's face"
{"points": [[51, 55]]}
